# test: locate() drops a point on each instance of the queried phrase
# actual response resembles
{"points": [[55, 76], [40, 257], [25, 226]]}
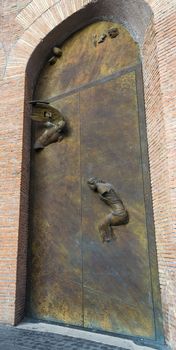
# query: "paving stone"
{"points": [[17, 339]]}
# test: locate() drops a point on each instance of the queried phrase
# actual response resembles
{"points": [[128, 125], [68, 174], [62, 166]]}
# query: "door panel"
{"points": [[56, 225], [116, 276], [75, 278]]}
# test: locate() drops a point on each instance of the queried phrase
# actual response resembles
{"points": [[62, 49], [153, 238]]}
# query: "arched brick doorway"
{"points": [[36, 25]]}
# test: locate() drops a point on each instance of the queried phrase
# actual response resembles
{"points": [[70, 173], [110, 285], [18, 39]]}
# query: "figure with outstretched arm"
{"points": [[52, 120], [118, 215]]}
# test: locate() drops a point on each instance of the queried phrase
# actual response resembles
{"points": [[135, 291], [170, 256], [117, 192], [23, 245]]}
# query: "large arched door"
{"points": [[76, 278]]}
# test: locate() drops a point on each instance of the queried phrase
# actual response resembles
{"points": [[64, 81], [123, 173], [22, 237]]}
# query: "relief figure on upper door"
{"points": [[118, 215], [52, 120]]}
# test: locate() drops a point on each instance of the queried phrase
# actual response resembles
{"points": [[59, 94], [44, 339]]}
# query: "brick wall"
{"points": [[159, 50], [28, 30]]}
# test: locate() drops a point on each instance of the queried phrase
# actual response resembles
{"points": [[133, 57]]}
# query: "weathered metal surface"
{"points": [[75, 277], [82, 61], [56, 280], [117, 285]]}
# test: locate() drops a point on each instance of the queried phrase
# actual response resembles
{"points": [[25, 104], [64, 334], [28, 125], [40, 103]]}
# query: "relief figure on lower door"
{"points": [[118, 215]]}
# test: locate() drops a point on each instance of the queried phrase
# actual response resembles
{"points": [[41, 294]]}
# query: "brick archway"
{"points": [[39, 22]]}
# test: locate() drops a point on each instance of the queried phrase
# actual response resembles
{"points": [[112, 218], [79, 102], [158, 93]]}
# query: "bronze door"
{"points": [[75, 277]]}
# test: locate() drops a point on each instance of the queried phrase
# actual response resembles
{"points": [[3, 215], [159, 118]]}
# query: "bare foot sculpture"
{"points": [[118, 216], [51, 119]]}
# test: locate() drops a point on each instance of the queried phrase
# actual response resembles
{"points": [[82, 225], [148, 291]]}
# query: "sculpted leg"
{"points": [[106, 229]]}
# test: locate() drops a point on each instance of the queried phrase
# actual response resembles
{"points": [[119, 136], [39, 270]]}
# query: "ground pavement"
{"points": [[36, 335], [12, 338]]}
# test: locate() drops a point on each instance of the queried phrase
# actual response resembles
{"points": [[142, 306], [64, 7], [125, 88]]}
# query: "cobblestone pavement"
{"points": [[17, 339]]}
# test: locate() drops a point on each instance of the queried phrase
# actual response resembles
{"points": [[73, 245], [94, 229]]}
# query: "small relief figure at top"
{"points": [[118, 215], [53, 121], [57, 53], [113, 32]]}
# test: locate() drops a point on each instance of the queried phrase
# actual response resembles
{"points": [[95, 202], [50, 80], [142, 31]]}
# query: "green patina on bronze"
{"points": [[75, 277]]}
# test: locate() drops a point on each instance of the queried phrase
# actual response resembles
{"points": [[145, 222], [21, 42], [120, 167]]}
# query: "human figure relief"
{"points": [[52, 119], [118, 215]]}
